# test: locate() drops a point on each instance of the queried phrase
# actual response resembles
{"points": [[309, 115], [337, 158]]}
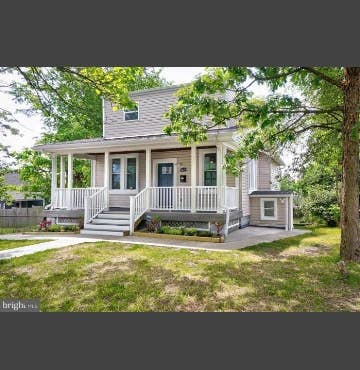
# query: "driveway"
{"points": [[238, 239]]}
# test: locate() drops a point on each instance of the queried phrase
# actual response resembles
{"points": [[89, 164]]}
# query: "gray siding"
{"points": [[152, 106], [255, 214], [264, 172]]}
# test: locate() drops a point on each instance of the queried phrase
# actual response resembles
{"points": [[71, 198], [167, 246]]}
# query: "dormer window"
{"points": [[131, 114]]}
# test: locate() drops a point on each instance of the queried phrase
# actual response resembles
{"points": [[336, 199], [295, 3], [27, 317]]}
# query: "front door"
{"points": [[165, 174], [165, 181]]}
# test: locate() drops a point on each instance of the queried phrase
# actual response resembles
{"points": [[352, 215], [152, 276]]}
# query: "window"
{"points": [[131, 114], [210, 169], [115, 173], [124, 173], [252, 172], [131, 173], [268, 208]]}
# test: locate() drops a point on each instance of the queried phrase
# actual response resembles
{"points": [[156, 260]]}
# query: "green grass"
{"points": [[14, 230], [294, 274], [9, 244]]}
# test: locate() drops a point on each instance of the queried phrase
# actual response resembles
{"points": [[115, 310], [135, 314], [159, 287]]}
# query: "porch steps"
{"points": [[108, 223]]}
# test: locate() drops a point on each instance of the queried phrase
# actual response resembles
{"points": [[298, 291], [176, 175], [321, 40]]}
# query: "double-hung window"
{"points": [[124, 173], [131, 114], [116, 173], [268, 208], [130, 173], [209, 169]]}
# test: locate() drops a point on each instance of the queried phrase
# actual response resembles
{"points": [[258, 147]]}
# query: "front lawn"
{"points": [[9, 244], [295, 274]]}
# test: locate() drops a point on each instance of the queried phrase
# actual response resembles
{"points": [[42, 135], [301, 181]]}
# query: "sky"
{"points": [[31, 126]]}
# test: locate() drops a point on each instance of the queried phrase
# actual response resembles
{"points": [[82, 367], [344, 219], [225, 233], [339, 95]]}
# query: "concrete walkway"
{"points": [[238, 239]]}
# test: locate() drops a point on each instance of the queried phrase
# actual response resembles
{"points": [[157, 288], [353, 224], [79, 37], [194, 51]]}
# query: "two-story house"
{"points": [[137, 170]]}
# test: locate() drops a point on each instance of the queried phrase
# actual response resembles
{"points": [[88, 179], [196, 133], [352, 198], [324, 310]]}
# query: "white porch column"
{"points": [[220, 175], [107, 175], [53, 178], [69, 180], [193, 177], [62, 172], [148, 175], [93, 173], [286, 213]]}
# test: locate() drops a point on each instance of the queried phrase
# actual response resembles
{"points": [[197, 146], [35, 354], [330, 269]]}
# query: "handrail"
{"points": [[138, 206], [95, 203]]}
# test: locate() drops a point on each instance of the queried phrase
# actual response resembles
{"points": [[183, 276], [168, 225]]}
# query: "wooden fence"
{"points": [[20, 217]]}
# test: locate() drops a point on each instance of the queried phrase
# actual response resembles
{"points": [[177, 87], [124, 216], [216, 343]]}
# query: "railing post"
{"points": [[132, 214], [86, 211], [227, 221]]}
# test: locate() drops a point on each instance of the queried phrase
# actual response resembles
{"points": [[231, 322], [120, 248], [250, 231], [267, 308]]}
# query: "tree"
{"points": [[329, 101], [70, 103]]}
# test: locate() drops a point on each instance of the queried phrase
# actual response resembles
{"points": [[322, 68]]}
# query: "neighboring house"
{"points": [[19, 198], [136, 170]]}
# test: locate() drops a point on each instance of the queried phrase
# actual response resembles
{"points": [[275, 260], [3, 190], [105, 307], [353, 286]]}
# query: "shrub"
{"points": [[190, 231], [321, 204], [153, 225], [205, 233], [170, 230], [54, 228], [72, 228]]}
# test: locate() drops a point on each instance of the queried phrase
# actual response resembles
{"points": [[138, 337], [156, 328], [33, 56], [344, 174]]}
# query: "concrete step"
{"points": [[117, 216], [107, 227], [109, 221], [101, 232]]}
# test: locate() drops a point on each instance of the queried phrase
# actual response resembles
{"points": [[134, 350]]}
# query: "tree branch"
{"points": [[324, 77]]}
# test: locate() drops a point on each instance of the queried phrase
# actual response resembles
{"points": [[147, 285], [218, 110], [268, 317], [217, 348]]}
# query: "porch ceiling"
{"points": [[129, 143]]}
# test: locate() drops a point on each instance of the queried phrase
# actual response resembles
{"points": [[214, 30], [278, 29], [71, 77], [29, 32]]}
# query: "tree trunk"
{"points": [[350, 242]]}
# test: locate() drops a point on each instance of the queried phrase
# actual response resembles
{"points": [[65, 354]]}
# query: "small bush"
{"points": [[190, 231], [54, 228], [205, 233], [170, 230], [153, 225], [71, 228]]}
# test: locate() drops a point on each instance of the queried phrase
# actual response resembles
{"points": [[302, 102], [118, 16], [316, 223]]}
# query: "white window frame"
{"points": [[123, 170], [202, 153], [252, 175], [262, 209], [132, 111]]}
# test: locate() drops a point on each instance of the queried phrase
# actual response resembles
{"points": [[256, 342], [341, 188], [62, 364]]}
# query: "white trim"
{"points": [[202, 153], [132, 111], [70, 171], [123, 165], [193, 182], [262, 215], [270, 195], [253, 169], [103, 115], [155, 169]]}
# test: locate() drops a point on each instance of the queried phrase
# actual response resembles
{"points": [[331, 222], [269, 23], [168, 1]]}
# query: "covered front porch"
{"points": [[159, 176]]}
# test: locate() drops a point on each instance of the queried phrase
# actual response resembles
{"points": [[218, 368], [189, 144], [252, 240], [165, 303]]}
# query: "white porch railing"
{"points": [[178, 198], [170, 198], [71, 198], [207, 198], [95, 203], [231, 197], [139, 204]]}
